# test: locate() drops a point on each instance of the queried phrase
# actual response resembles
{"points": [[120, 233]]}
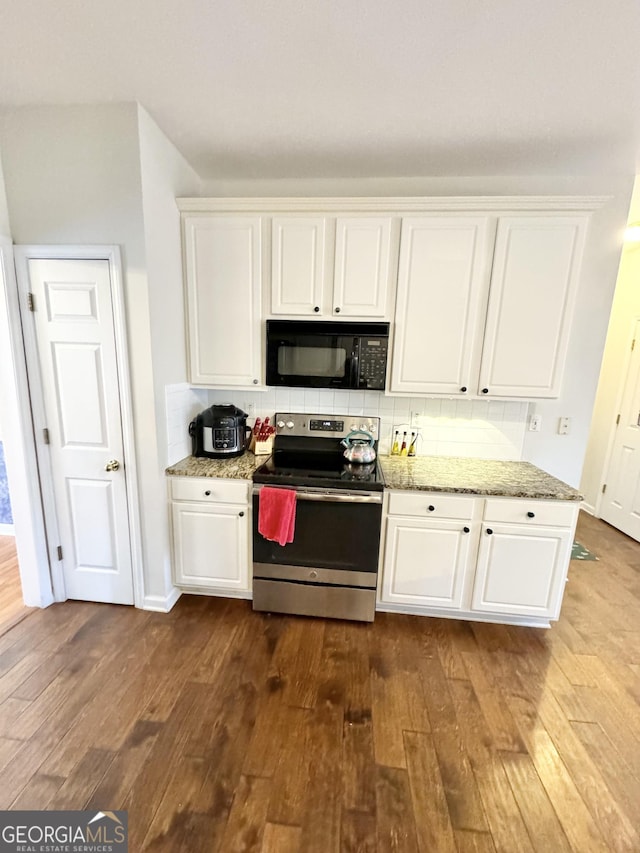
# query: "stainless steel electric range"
{"points": [[330, 569]]}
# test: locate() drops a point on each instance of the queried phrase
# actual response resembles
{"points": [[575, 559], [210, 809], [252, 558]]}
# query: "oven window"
{"points": [[312, 361], [342, 536]]}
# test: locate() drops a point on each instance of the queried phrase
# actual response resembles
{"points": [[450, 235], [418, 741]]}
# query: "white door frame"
{"points": [[111, 254], [21, 460], [624, 375]]}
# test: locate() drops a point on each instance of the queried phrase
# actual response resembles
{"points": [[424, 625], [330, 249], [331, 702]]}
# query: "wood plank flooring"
{"points": [[220, 729], [12, 607]]}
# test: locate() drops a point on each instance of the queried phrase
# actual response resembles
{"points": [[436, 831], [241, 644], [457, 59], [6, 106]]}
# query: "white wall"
{"points": [[165, 175], [28, 522], [5, 228], [626, 307], [73, 175], [5, 231], [562, 456]]}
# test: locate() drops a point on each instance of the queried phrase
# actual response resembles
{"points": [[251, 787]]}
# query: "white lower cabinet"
{"points": [[525, 548], [499, 559], [210, 522], [521, 571], [427, 562]]}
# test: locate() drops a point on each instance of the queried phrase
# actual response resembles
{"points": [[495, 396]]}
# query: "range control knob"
{"points": [[354, 426], [280, 424], [290, 424], [364, 426]]}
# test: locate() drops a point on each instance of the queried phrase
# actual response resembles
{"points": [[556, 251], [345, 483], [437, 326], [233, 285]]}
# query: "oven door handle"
{"points": [[334, 497]]}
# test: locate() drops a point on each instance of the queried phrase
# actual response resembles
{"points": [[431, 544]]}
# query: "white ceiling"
{"points": [[337, 88]]}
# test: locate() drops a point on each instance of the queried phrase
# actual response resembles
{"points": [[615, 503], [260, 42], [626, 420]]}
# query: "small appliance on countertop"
{"points": [[220, 431]]}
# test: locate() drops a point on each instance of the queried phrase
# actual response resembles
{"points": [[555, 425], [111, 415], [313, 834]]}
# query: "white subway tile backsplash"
{"points": [[311, 400], [488, 429]]}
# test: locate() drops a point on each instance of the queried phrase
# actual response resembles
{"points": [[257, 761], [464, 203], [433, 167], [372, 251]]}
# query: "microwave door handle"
{"points": [[353, 373]]}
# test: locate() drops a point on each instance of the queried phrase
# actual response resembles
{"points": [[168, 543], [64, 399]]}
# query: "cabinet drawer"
{"points": [[430, 505], [556, 513], [210, 490]]}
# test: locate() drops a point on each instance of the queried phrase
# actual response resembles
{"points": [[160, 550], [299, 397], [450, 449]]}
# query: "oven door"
{"points": [[312, 360], [330, 568]]}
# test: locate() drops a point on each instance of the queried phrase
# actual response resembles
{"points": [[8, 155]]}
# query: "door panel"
{"points": [[361, 275], [76, 350], [82, 416], [297, 276], [621, 502], [533, 287], [521, 570], [442, 293], [210, 546], [425, 562], [223, 263]]}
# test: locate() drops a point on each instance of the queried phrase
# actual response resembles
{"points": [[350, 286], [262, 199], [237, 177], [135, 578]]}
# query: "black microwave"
{"points": [[319, 354]]}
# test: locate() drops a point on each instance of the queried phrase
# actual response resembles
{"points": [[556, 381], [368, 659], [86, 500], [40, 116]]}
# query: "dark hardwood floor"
{"points": [[219, 729]]}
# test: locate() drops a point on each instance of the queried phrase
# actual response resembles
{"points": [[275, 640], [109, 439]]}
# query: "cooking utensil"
{"points": [[359, 447]]}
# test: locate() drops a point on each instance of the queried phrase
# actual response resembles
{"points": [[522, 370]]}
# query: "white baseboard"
{"points": [[588, 508], [7, 530], [161, 604]]}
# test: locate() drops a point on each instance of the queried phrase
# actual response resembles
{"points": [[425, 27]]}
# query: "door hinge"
{"points": [[59, 552], [604, 488], [31, 305], [45, 435], [617, 420]]}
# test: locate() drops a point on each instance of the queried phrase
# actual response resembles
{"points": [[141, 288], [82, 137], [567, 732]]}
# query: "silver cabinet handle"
{"points": [[334, 497], [112, 465]]}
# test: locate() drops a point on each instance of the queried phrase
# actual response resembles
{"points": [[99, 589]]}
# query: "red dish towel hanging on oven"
{"points": [[277, 514]]}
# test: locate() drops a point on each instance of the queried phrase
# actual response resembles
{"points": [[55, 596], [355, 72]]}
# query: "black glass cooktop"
{"points": [[326, 470]]}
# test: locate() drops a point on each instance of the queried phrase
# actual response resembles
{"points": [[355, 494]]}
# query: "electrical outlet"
{"points": [[535, 422], [564, 426]]}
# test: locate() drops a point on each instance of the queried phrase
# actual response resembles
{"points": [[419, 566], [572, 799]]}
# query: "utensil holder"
{"points": [[261, 448]]}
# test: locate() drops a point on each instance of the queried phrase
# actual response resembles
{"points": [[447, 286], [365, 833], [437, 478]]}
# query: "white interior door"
{"points": [[621, 501], [74, 326]]}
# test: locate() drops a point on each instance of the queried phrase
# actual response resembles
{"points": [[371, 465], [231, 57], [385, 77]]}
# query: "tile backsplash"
{"points": [[182, 404], [447, 427]]}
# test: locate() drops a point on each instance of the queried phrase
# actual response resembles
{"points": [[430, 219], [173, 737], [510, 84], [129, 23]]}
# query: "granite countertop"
{"points": [[455, 474], [474, 476], [236, 468]]}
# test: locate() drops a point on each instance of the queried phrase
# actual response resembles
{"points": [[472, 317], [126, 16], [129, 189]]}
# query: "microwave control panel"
{"points": [[372, 368]]}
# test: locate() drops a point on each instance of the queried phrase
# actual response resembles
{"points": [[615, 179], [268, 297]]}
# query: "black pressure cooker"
{"points": [[220, 431]]}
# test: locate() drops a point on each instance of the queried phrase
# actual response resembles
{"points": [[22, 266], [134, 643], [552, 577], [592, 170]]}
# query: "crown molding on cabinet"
{"points": [[411, 204]]}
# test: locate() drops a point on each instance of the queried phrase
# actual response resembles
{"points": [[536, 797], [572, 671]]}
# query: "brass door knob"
{"points": [[112, 465]]}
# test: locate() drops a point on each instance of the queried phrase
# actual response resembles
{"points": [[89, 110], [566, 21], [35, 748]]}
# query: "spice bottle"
{"points": [[412, 446], [403, 449], [395, 447]]}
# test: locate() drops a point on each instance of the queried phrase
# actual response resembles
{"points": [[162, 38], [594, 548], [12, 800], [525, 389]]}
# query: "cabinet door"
{"points": [[210, 547], [521, 570], [533, 287], [425, 562], [442, 291], [223, 271], [362, 266], [297, 265]]}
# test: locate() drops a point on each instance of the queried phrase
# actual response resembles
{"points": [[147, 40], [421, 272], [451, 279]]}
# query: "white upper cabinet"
{"points": [[533, 287], [330, 266], [222, 256], [362, 268], [486, 318], [442, 293], [485, 287], [297, 265]]}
